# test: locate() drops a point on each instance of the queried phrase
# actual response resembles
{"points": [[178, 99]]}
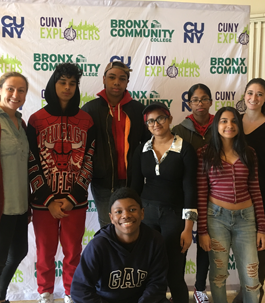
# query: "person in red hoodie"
{"points": [[61, 141], [119, 130]]}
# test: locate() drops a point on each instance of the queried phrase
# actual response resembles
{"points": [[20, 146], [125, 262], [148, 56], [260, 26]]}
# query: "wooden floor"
{"points": [[231, 295]]}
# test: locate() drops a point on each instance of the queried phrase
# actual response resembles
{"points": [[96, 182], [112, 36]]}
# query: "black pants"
{"points": [[170, 224], [261, 255], [13, 247], [202, 267]]}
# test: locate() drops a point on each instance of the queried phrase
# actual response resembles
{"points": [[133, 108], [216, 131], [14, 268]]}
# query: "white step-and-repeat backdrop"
{"points": [[169, 45]]}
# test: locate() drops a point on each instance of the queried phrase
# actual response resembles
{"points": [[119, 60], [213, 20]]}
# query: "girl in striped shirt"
{"points": [[230, 206]]}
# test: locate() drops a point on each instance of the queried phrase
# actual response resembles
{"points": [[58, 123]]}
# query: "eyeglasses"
{"points": [[159, 120], [197, 101]]}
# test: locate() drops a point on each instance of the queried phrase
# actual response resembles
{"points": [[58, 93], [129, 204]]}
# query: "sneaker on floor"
{"points": [[200, 296], [46, 297], [68, 299]]}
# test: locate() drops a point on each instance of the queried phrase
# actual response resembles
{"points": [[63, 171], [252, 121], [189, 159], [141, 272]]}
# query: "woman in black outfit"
{"points": [[164, 174]]}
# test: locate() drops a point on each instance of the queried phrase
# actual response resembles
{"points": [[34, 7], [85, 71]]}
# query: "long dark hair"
{"points": [[261, 82], [212, 154]]}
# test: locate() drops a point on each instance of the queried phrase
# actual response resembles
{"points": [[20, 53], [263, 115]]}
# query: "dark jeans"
{"points": [[202, 267], [261, 255], [170, 224], [101, 197], [13, 247]]}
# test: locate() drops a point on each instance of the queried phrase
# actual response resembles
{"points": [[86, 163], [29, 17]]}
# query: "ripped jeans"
{"points": [[235, 229]]}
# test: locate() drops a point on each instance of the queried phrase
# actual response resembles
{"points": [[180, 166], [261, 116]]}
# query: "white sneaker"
{"points": [[200, 296], [46, 297], [68, 299]]}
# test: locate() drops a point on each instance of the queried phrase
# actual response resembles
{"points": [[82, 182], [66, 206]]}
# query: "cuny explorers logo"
{"points": [[229, 33], [183, 69], [52, 28], [48, 62], [18, 277], [8, 64], [88, 235], [244, 37], [241, 105], [153, 97], [224, 98], [157, 66], [12, 26], [140, 28]]}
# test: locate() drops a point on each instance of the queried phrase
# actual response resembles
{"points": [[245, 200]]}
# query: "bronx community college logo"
{"points": [[140, 28]]}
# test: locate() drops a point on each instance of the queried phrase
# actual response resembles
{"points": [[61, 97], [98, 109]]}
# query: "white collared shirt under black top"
{"points": [[170, 181]]}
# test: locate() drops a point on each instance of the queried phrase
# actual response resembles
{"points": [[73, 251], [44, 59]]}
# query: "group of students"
{"points": [[146, 179]]}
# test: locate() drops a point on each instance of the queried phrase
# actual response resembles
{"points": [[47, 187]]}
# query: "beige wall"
{"points": [[257, 6]]}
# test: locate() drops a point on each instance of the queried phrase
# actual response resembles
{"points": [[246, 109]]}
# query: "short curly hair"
{"points": [[68, 70], [123, 193]]}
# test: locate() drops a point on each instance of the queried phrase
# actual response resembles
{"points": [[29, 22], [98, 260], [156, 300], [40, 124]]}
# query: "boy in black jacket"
{"points": [[126, 262], [120, 129]]}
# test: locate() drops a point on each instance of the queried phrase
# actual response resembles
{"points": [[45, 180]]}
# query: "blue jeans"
{"points": [[235, 229], [169, 223]]}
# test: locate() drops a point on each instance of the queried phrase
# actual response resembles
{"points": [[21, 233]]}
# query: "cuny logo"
{"points": [[140, 28], [153, 97], [228, 65], [51, 28], [12, 27], [9, 64], [228, 33], [48, 62], [192, 32], [185, 105], [183, 69], [129, 60], [83, 99]]}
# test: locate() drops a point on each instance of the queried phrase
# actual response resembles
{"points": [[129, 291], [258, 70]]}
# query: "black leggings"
{"points": [[202, 267], [170, 224], [13, 247]]}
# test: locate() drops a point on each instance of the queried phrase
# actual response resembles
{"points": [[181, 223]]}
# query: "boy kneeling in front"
{"points": [[126, 261]]}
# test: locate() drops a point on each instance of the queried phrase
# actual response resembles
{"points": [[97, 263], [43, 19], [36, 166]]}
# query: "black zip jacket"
{"points": [[105, 172]]}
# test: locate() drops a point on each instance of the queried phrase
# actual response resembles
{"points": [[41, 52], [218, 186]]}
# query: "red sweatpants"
{"points": [[48, 232]]}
